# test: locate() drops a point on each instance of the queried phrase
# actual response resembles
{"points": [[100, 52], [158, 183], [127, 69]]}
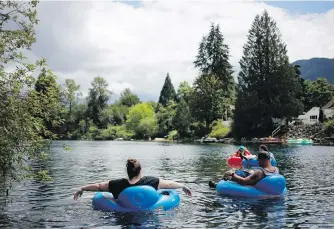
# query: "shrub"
{"points": [[173, 135], [113, 132], [218, 129], [329, 127]]}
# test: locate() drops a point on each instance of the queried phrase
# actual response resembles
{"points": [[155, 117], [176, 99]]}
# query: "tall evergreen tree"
{"points": [[268, 87], [167, 93], [214, 89], [213, 59], [303, 84]]}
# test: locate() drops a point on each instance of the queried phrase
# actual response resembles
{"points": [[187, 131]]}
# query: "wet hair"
{"points": [[133, 168], [263, 155], [264, 148]]}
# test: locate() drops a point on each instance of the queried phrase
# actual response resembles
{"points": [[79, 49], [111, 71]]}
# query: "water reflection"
{"points": [[137, 220]]}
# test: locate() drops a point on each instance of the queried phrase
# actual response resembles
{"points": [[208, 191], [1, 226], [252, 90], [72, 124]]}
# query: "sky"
{"points": [[134, 44]]}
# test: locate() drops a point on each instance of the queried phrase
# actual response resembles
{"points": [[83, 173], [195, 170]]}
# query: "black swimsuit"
{"points": [[117, 186]]}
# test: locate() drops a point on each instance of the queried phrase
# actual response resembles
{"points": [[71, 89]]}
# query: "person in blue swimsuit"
{"points": [[253, 176], [134, 178]]}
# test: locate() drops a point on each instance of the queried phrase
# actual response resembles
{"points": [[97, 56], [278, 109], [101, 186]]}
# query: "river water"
{"points": [[309, 171]]}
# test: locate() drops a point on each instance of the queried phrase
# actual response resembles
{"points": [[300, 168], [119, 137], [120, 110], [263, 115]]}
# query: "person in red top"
{"points": [[242, 152]]}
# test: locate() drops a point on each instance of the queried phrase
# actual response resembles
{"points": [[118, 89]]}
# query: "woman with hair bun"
{"points": [[134, 178]]}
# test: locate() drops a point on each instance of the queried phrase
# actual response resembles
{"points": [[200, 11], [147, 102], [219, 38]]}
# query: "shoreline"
{"points": [[162, 140]]}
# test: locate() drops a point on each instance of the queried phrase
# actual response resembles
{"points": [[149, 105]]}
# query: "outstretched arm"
{"points": [[250, 180], [168, 184], [103, 186]]}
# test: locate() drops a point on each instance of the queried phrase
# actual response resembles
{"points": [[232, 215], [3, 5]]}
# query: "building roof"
{"points": [[329, 104]]}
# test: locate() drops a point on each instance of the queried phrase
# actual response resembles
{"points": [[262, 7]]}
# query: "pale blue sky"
{"points": [[302, 7]]}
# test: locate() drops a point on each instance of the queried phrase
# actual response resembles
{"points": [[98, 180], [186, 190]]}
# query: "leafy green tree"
{"points": [[70, 94], [205, 104], [79, 112], [120, 114], [97, 99], [128, 98], [114, 114], [92, 131], [80, 124], [268, 87], [317, 93], [153, 104], [142, 120], [147, 127], [17, 21], [167, 93], [46, 96], [20, 139], [69, 99], [22, 124], [182, 120], [184, 92], [107, 116]]}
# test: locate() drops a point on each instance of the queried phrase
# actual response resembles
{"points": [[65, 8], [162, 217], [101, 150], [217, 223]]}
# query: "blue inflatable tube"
{"points": [[254, 163], [270, 186], [136, 198]]}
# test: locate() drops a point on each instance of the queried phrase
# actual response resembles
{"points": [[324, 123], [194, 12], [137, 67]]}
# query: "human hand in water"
{"points": [[78, 194], [187, 191]]}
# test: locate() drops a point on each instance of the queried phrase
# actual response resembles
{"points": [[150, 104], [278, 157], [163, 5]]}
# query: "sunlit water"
{"points": [[308, 170]]}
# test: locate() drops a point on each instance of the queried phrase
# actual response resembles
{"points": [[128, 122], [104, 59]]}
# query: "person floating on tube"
{"points": [[242, 152]]}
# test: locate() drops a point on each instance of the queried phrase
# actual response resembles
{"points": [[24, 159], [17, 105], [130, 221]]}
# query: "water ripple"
{"points": [[308, 170]]}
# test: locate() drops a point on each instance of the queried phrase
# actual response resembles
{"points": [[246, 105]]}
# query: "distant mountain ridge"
{"points": [[317, 67]]}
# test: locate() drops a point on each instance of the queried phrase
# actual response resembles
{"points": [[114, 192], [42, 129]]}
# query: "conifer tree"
{"points": [[167, 93], [268, 86], [214, 88]]}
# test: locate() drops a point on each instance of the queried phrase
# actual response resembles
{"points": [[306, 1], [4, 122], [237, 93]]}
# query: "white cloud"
{"points": [[136, 46]]}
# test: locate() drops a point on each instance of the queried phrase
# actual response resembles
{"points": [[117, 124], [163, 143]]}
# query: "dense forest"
{"points": [[37, 108]]}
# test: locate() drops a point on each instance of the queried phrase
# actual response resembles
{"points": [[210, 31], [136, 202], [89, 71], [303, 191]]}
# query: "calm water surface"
{"points": [[309, 204]]}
